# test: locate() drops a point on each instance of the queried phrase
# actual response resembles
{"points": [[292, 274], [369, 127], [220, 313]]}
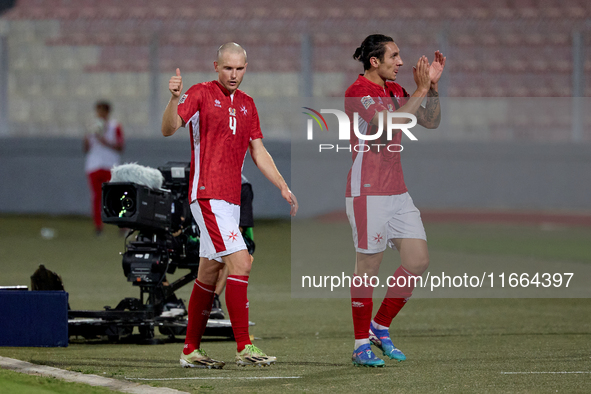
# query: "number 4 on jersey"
{"points": [[233, 124]]}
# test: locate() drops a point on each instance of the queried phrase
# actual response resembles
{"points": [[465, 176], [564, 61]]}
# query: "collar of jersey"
{"points": [[223, 89], [362, 79]]}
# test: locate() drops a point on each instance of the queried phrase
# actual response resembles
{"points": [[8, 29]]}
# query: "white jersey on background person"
{"points": [[100, 156]]}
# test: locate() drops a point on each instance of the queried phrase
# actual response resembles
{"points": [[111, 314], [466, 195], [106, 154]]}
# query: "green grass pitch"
{"points": [[18, 383], [452, 345]]}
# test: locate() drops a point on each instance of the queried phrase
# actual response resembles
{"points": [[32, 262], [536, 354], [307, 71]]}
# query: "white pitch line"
{"points": [[219, 378], [527, 373]]}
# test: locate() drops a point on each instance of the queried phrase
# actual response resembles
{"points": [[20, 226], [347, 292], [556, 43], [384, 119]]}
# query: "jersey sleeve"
{"points": [[359, 100], [255, 128], [190, 102]]}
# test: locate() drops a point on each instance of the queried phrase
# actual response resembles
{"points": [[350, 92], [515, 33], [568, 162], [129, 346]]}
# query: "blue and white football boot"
{"points": [[364, 357], [381, 339]]}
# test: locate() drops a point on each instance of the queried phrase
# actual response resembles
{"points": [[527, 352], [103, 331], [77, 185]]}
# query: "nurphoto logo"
{"points": [[345, 129]]}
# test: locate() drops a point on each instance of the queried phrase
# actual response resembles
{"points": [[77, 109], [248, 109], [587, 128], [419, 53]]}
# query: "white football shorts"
{"points": [[377, 220], [218, 224]]}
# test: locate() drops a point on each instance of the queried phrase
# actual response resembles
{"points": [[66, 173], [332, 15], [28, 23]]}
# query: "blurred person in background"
{"points": [[103, 147]]}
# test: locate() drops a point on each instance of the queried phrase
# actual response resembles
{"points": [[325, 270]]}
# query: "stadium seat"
{"points": [[501, 49]]}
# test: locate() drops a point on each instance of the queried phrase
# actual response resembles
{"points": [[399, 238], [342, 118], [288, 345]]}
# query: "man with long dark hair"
{"points": [[380, 210]]}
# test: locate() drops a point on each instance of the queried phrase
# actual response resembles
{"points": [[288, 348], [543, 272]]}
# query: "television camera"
{"points": [[165, 238]]}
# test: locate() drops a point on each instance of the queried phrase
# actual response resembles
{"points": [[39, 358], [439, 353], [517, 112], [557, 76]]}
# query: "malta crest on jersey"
{"points": [[367, 101], [243, 110]]}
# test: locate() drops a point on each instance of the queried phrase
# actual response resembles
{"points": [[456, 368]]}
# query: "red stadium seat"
{"points": [[504, 13], [505, 48]]}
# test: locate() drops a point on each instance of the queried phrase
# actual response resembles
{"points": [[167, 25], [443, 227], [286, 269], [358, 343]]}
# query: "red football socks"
{"points": [[199, 309], [396, 297], [237, 304], [361, 306]]}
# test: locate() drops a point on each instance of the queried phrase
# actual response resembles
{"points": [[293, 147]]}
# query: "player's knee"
{"points": [[242, 267], [418, 265], [208, 277], [247, 265], [422, 264]]}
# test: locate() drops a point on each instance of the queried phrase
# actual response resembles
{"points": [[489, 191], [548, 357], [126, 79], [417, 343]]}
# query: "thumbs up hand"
{"points": [[175, 85]]}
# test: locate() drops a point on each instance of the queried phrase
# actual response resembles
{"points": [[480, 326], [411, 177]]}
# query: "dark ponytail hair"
{"points": [[372, 46]]}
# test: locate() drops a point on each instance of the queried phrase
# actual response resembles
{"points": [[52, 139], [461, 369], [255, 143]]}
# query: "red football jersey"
{"points": [[375, 172], [221, 127]]}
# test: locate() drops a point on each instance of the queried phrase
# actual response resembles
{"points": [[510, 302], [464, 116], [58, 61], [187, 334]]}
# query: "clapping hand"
{"points": [[436, 68], [420, 73]]}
